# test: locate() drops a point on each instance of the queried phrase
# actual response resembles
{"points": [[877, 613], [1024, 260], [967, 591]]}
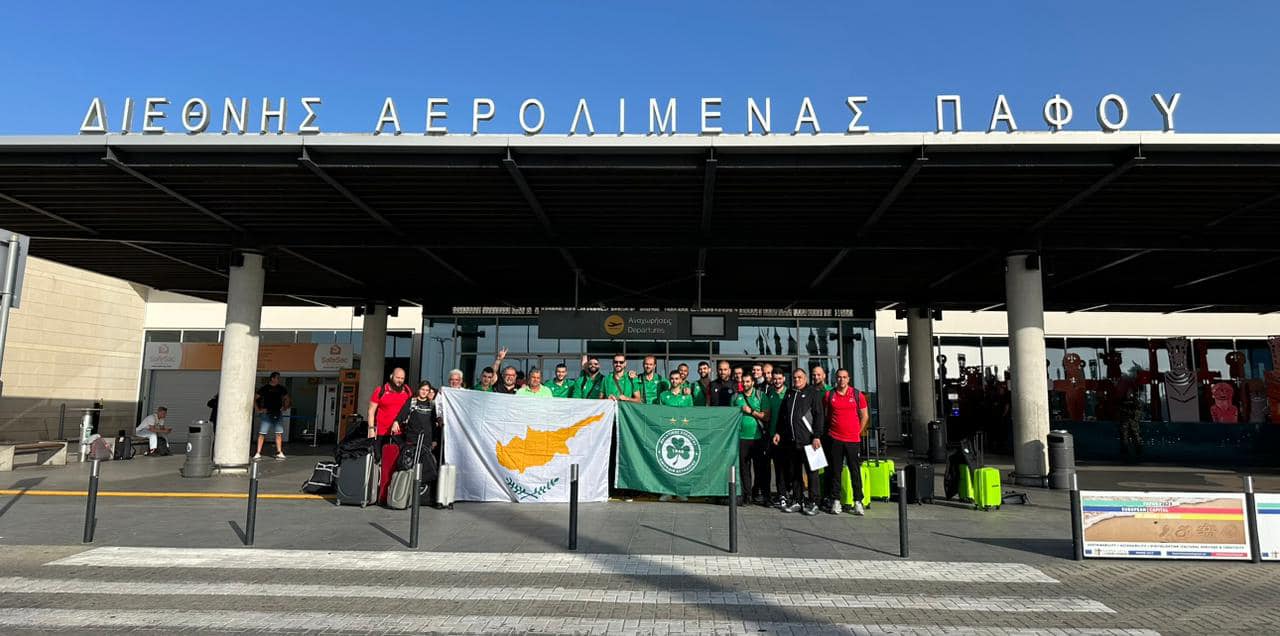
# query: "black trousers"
{"points": [[800, 469], [753, 466], [837, 454], [780, 457]]}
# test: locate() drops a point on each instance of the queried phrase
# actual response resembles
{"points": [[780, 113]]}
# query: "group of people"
{"points": [[779, 420]]}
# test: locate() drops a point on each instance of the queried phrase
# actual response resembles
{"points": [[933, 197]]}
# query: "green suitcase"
{"points": [[881, 472], [987, 492], [846, 486], [966, 484]]}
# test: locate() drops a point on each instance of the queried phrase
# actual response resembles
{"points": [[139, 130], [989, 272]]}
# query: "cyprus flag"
{"points": [[512, 448]]}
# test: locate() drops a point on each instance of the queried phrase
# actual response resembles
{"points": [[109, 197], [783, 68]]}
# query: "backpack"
{"points": [[100, 449], [322, 478], [123, 447], [162, 447]]}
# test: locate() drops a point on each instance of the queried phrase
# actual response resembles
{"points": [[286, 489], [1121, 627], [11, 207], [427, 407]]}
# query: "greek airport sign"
{"points": [[637, 325], [656, 116], [1165, 525]]}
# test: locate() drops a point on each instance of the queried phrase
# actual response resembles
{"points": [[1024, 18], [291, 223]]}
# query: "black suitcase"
{"points": [[358, 480], [920, 479]]}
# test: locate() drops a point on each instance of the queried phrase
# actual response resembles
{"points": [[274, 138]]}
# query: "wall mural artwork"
{"points": [[1273, 380], [1223, 411], [1180, 383]]}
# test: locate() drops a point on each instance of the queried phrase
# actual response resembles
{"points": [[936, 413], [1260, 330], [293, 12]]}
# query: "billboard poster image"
{"points": [[1268, 508], [1165, 525]]}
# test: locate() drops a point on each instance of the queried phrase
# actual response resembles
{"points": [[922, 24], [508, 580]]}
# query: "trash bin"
{"points": [[199, 450], [1062, 460], [937, 446]]}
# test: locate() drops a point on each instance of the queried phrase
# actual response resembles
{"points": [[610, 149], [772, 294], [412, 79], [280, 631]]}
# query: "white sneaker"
{"points": [[257, 455], [279, 455], [664, 498], [836, 508], [857, 508]]}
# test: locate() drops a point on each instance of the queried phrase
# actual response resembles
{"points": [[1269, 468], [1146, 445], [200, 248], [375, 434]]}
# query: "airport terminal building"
{"points": [[1008, 283]]}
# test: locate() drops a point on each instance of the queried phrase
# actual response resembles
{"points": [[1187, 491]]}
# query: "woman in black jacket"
{"points": [[418, 417], [801, 422]]}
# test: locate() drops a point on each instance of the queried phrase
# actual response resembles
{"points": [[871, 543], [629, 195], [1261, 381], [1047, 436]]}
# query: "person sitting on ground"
{"points": [[152, 427]]}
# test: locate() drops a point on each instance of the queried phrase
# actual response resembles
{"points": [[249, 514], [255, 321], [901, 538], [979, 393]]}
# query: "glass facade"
{"points": [[471, 343]]}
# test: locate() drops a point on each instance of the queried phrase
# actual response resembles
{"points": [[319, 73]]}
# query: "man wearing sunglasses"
{"points": [[619, 386]]}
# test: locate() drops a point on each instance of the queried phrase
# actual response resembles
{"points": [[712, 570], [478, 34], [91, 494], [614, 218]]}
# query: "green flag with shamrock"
{"points": [[677, 451]]}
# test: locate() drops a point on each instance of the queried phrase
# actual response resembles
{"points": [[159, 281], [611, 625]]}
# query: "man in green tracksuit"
{"points": [[618, 385], [753, 463], [649, 383], [561, 387], [591, 385], [675, 395], [773, 397]]}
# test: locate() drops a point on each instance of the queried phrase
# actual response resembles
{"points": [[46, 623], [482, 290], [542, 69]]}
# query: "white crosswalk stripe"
{"points": [[23, 585], [228, 620], [560, 563], [556, 593]]}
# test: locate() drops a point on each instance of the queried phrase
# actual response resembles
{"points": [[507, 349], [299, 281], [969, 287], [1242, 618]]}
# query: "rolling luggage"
{"points": [[987, 493], [919, 483], [965, 484], [447, 485], [357, 483], [881, 472], [846, 486], [400, 490]]}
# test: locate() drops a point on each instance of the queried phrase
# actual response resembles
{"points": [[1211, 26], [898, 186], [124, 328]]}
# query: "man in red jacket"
{"points": [[847, 417], [384, 406]]}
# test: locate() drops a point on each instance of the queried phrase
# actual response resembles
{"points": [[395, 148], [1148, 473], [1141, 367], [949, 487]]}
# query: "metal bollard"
{"points": [[91, 506], [252, 514], [904, 548], [573, 507], [1251, 509], [415, 507], [1077, 520], [733, 510]]}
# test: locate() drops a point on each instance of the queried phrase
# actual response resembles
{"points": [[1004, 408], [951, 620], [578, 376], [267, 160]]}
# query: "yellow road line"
{"points": [[161, 495]]}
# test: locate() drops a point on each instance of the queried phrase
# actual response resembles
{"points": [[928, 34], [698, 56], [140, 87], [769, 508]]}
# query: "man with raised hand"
{"points": [[591, 385]]}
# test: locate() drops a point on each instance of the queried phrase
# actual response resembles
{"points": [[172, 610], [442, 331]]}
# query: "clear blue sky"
{"points": [[1223, 56]]}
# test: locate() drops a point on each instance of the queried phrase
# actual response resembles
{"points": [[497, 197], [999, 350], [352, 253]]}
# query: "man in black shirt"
{"points": [[801, 422], [271, 401], [722, 389]]}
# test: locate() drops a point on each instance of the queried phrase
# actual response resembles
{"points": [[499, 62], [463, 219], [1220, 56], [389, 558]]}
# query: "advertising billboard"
{"points": [[1165, 525]]}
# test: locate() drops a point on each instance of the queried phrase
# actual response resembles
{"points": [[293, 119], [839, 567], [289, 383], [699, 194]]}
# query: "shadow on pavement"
{"points": [[384, 530], [679, 536], [239, 531], [852, 545], [1057, 548], [23, 486]]}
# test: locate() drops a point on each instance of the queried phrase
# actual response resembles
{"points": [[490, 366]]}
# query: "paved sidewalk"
{"points": [[177, 563]]}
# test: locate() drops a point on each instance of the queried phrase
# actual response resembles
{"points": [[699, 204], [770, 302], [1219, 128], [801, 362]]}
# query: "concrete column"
{"points": [[239, 364], [1030, 390], [373, 356], [920, 362]]}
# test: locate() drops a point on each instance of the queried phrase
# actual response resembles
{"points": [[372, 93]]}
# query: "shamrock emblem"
{"points": [[679, 448], [677, 451]]}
